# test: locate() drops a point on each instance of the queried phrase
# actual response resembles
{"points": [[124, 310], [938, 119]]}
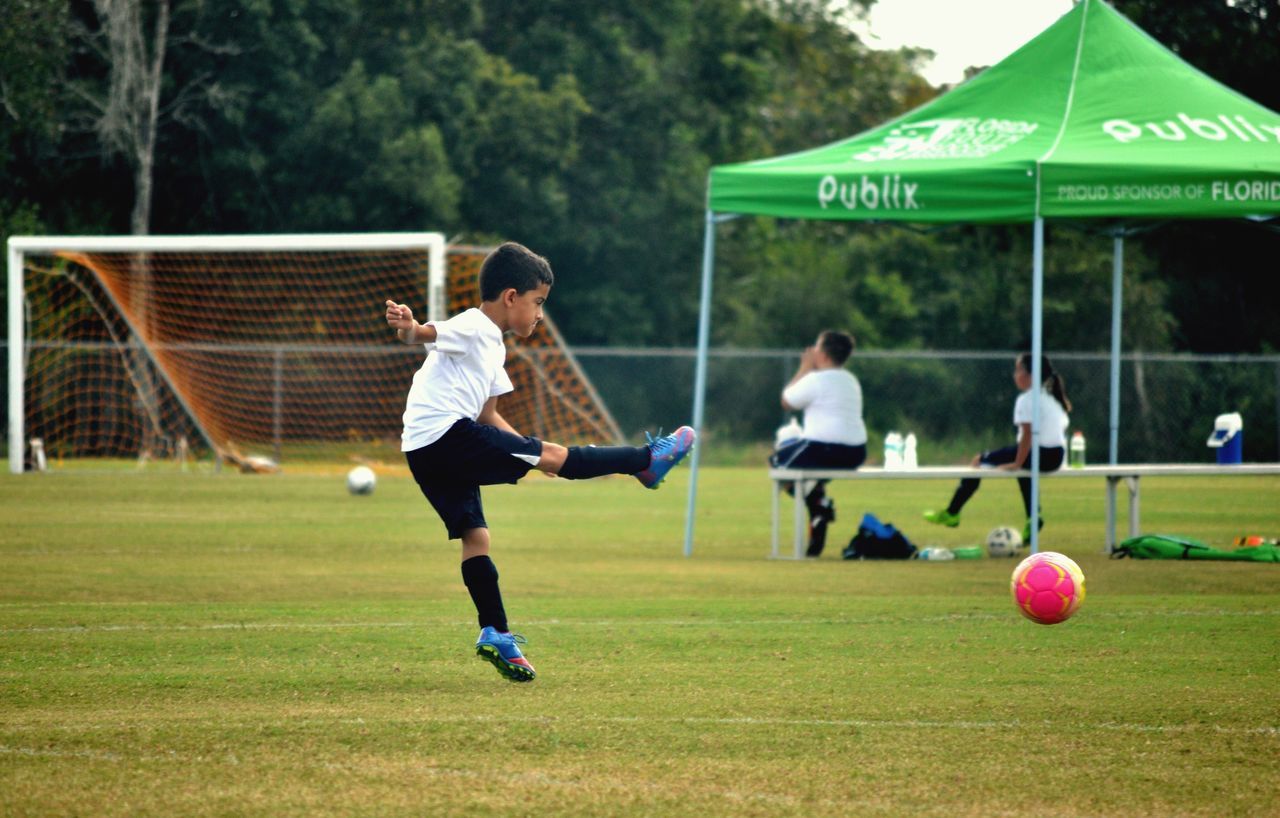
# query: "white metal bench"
{"points": [[1130, 474]]}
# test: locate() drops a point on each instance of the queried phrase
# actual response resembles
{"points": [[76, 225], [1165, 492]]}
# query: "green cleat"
{"points": [[1026, 530], [942, 517]]}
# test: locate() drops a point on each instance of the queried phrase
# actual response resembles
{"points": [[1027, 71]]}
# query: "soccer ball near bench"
{"points": [[1004, 542]]}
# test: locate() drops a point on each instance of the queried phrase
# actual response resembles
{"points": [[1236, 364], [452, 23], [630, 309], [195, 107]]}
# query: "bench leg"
{"points": [[801, 521], [1133, 505], [777, 490], [1111, 514]]}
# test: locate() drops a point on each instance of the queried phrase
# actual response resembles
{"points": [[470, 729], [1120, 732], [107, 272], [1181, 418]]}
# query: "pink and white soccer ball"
{"points": [[1047, 587]]}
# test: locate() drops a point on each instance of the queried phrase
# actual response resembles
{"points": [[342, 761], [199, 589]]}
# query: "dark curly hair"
{"points": [[513, 265]]}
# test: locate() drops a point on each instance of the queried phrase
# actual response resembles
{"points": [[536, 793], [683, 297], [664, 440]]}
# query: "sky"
{"points": [[962, 32]]}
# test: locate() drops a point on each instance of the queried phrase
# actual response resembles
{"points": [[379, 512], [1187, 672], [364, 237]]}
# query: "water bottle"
{"points": [[788, 432], [968, 552], [936, 553], [893, 450], [909, 457], [1077, 450], [38, 460]]}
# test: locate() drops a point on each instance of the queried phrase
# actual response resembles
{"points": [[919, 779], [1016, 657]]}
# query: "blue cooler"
{"points": [[1228, 438]]}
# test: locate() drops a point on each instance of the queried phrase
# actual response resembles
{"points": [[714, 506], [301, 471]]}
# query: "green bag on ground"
{"points": [[1168, 547]]}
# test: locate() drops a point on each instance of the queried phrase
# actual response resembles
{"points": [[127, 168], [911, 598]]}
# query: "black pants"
{"points": [[451, 471], [813, 454], [1050, 461]]}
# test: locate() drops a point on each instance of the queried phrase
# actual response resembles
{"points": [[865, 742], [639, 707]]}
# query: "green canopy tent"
{"points": [[1092, 119]]}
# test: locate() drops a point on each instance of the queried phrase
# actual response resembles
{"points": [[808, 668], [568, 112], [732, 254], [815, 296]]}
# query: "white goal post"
{"points": [[141, 249]]}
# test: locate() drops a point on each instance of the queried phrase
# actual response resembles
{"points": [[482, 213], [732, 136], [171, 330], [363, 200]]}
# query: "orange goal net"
{"points": [[259, 351]]}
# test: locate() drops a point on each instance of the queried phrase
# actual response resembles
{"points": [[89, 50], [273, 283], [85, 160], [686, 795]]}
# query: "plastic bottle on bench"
{"points": [[788, 432], [1077, 449], [893, 450], [910, 460]]}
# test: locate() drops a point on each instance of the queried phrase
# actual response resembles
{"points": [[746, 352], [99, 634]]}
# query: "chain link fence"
{"points": [[956, 401]]}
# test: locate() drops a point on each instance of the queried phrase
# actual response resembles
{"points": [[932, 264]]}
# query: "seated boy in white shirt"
{"points": [[834, 435]]}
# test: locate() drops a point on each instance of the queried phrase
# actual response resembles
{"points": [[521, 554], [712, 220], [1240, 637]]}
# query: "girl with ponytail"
{"points": [[1054, 406]]}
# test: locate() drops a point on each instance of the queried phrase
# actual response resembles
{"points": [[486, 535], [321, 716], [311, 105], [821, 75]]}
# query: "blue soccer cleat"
{"points": [[664, 454], [503, 651]]}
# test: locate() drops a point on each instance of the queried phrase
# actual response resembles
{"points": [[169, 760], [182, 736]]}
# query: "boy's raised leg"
{"points": [[586, 462], [649, 464]]}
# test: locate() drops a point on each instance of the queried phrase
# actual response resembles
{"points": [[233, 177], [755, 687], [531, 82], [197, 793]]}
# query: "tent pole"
{"points": [[1037, 351], [700, 377], [1117, 268]]}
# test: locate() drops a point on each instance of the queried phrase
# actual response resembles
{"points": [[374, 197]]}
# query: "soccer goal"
{"points": [[249, 350]]}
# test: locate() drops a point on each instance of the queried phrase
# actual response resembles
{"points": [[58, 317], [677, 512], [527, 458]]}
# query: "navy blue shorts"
{"points": [[1050, 457], [812, 454], [451, 471]]}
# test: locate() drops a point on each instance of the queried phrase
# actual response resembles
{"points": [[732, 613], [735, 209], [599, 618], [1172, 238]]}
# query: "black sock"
{"points": [[480, 576], [967, 488], [585, 462], [813, 500]]}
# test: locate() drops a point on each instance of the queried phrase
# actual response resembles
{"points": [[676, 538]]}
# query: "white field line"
{"points": [[923, 724], [221, 626], [597, 623], [1270, 731], [880, 724], [533, 779]]}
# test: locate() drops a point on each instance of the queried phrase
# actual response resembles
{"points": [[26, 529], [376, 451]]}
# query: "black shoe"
{"points": [[818, 522]]}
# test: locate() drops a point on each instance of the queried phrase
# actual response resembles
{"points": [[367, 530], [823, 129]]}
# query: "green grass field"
{"points": [[191, 645]]}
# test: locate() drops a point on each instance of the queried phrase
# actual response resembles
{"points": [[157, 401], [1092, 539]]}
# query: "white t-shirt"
{"points": [[1053, 418], [832, 404], [464, 368]]}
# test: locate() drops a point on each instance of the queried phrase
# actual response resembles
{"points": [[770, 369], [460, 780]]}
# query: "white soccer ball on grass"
{"points": [[1004, 542], [361, 480]]}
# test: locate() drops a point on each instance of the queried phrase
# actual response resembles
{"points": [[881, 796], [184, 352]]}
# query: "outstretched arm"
{"points": [[400, 318], [1024, 449]]}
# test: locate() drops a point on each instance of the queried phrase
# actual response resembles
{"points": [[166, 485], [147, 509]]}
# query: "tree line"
{"points": [[586, 130]]}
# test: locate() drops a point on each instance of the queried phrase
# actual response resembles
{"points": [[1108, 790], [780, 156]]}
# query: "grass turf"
{"points": [[234, 645]]}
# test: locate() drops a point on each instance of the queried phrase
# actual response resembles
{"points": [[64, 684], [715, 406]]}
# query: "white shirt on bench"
{"points": [[832, 404], [1053, 418]]}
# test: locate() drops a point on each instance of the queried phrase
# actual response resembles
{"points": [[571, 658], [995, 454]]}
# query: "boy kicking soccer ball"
{"points": [[456, 442]]}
